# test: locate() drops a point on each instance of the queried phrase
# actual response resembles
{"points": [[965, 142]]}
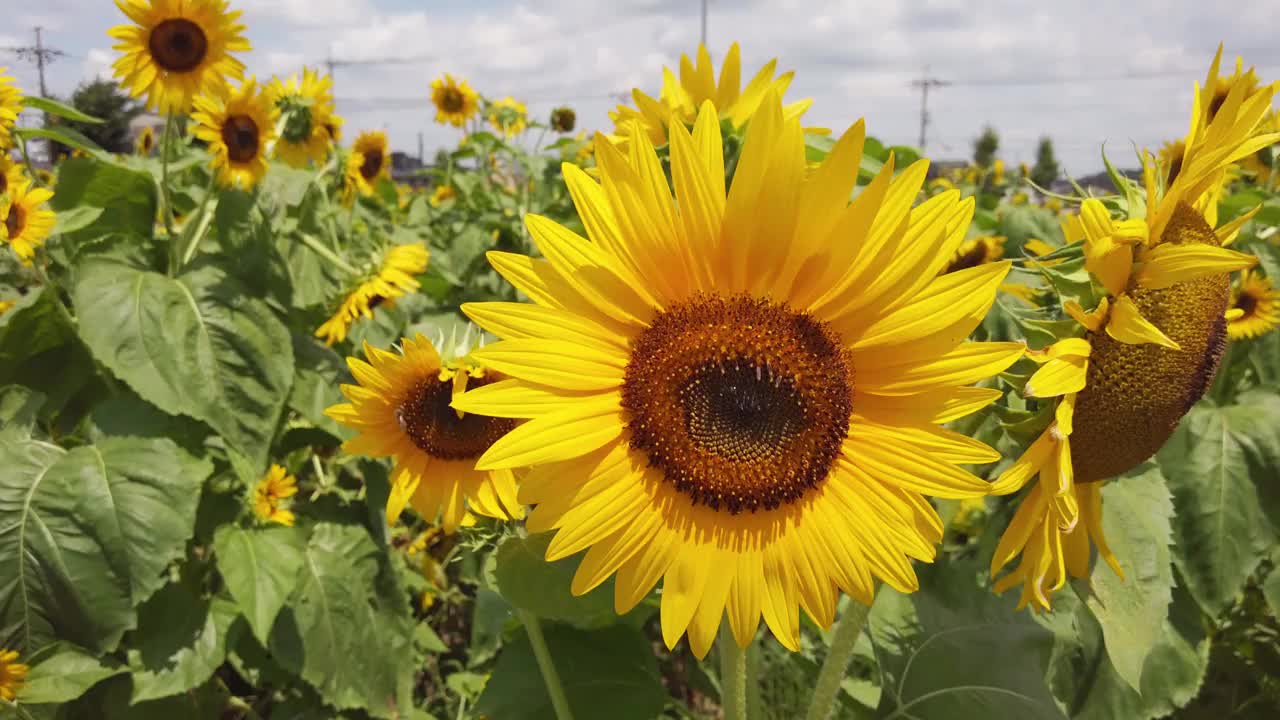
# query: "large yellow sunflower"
{"points": [[1255, 307], [738, 392], [1150, 348], [10, 108], [375, 157], [13, 675], [401, 408], [25, 218], [455, 101], [238, 127], [680, 100], [178, 49], [508, 116], [305, 105], [394, 277]]}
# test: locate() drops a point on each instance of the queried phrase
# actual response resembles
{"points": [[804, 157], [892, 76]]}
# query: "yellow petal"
{"points": [[1168, 264], [1128, 326]]}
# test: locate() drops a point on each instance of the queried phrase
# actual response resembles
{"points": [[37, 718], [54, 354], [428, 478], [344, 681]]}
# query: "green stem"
{"points": [[327, 254], [204, 219], [733, 675], [559, 701], [17, 709], [833, 668], [166, 204]]}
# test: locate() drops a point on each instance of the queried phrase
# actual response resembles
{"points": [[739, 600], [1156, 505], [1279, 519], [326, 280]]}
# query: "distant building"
{"points": [[943, 168], [406, 168]]}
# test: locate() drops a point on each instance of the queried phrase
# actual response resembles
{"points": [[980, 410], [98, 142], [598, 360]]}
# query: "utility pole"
{"points": [[704, 22], [924, 83], [38, 54]]}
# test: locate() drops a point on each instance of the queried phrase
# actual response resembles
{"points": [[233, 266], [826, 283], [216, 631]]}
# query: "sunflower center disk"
{"points": [[451, 100], [435, 428], [1246, 303], [15, 221], [371, 165], [240, 134], [741, 403], [178, 45]]}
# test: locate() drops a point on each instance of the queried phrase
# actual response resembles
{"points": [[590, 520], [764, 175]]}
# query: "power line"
{"points": [[39, 55], [924, 83]]}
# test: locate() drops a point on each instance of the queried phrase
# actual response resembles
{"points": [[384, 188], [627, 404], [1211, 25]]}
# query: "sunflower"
{"points": [[1213, 94], [976, 251], [353, 182], [27, 222], [270, 494], [10, 108], [145, 142], [375, 158], [238, 127], [1255, 307], [332, 126], [401, 408], [1262, 164], [455, 101], [10, 173], [680, 100], [5, 305], [178, 49], [13, 675], [1150, 349], [1053, 205], [441, 194], [1169, 160], [304, 104], [394, 278], [508, 116], [563, 119], [755, 421]]}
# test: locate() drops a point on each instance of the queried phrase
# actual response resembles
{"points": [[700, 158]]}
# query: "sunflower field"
{"points": [[711, 414]]}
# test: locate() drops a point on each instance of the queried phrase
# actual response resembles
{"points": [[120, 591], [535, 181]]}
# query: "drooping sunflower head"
{"points": [[976, 251], [394, 275], [10, 108], [177, 50], [238, 126], [508, 116], [25, 219], [146, 141], [401, 408], [1255, 307], [13, 675], [375, 156], [304, 104], [754, 421], [563, 119], [456, 102], [271, 496]]}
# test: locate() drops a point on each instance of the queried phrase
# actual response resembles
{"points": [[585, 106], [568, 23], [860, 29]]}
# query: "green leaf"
{"points": [[318, 374], [1136, 511], [609, 668], [66, 675], [19, 407], [954, 650], [244, 240], [529, 582], [126, 414], [196, 346], [32, 326], [1221, 464], [1020, 223], [346, 610], [260, 567], [88, 533], [67, 136], [181, 640], [127, 198], [53, 107]]}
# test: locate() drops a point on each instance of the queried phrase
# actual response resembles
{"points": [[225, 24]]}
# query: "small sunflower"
{"points": [[375, 158], [1053, 205], [145, 142], [753, 423], [304, 104], [394, 278], [177, 50], [5, 305], [563, 119], [1169, 160], [13, 675], [441, 194], [27, 221], [976, 251], [401, 409], [508, 116], [238, 127], [11, 173], [353, 182], [270, 496], [10, 108], [455, 101], [1255, 307], [332, 126]]}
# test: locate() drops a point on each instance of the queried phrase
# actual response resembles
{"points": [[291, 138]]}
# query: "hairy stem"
{"points": [[559, 701], [733, 675], [846, 636]]}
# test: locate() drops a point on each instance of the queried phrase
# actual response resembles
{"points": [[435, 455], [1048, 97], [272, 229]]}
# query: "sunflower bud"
{"points": [[563, 119]]}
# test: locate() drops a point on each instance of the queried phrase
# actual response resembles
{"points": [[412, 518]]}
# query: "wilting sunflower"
{"points": [[271, 495], [145, 142], [680, 100], [10, 108], [1150, 349], [441, 194], [238, 127], [738, 392], [1255, 307], [563, 119], [375, 157], [508, 116], [401, 408], [394, 277], [305, 105], [27, 221], [455, 101], [177, 50], [13, 675]]}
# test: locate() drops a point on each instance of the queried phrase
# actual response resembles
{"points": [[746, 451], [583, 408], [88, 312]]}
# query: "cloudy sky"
{"points": [[1082, 73]]}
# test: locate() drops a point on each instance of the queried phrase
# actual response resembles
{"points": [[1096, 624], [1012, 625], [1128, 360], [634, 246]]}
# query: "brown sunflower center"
{"points": [[240, 135], [178, 45], [973, 257], [1175, 167], [1246, 302], [1137, 394], [742, 404], [435, 428], [15, 221], [452, 100], [4, 182], [147, 142], [372, 164]]}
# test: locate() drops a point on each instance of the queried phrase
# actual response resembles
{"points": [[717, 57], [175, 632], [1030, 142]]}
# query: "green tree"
{"points": [[105, 100], [1046, 169], [985, 147]]}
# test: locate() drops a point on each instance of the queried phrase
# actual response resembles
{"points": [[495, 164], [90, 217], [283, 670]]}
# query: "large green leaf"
{"points": [[244, 239], [126, 197], [53, 107], [19, 407], [260, 567], [87, 535], [1020, 223], [196, 346], [1136, 511], [954, 650], [1221, 465], [609, 668], [66, 674], [181, 640], [32, 326], [529, 582], [319, 372], [347, 609]]}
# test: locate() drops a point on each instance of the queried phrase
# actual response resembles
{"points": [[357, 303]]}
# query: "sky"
{"points": [[1082, 73]]}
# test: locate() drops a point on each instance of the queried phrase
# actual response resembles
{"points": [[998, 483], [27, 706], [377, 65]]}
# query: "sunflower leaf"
{"points": [[260, 567]]}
